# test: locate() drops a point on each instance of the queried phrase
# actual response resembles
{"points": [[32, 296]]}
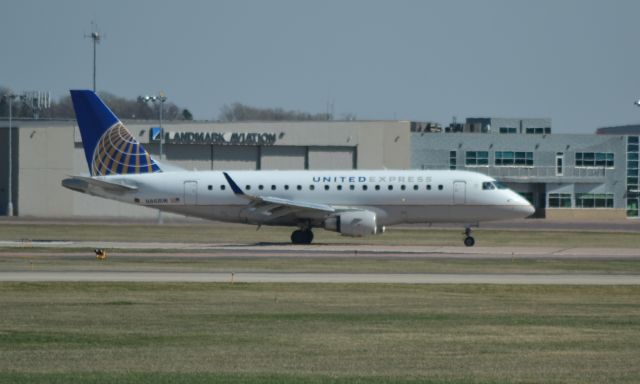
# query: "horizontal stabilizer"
{"points": [[84, 184]]}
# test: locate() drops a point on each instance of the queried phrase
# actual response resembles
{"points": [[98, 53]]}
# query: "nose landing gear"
{"points": [[469, 241]]}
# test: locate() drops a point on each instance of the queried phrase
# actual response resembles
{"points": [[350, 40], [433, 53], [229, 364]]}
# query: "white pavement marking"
{"points": [[377, 278]]}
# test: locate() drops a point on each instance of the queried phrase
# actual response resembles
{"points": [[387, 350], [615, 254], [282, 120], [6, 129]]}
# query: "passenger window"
{"points": [[210, 187], [273, 187], [377, 187], [286, 187], [428, 187], [390, 187], [339, 187], [403, 187], [299, 187], [364, 187], [440, 187], [247, 187], [415, 187], [261, 187], [223, 187], [352, 187], [326, 187], [312, 187]]}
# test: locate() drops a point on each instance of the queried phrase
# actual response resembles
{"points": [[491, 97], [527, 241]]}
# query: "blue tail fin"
{"points": [[109, 147]]}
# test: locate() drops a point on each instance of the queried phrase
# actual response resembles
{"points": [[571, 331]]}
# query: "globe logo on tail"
{"points": [[118, 153]]}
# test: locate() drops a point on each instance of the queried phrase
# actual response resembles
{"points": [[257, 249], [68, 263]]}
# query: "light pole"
{"points": [[10, 97], [159, 98]]}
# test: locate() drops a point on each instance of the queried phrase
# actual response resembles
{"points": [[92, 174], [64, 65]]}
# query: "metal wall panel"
{"points": [[332, 158], [283, 157], [235, 157]]}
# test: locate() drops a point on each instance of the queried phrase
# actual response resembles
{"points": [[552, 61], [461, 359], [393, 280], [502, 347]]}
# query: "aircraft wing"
{"points": [[273, 207]]}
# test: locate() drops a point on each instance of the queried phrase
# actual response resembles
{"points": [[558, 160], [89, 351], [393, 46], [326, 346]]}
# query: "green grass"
{"points": [[244, 234], [337, 333], [165, 262]]}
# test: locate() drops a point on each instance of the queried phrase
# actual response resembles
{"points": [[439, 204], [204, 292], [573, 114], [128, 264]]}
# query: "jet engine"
{"points": [[354, 223]]}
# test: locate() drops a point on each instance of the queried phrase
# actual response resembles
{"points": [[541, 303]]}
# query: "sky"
{"points": [[576, 62]]}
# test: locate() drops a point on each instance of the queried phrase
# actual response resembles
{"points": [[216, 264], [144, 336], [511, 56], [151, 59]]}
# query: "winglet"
{"points": [[233, 184]]}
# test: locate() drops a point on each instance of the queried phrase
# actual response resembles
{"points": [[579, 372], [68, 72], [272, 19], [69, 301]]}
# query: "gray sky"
{"points": [[577, 62]]}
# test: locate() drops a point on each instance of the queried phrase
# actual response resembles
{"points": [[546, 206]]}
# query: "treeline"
{"points": [[241, 112], [124, 108]]}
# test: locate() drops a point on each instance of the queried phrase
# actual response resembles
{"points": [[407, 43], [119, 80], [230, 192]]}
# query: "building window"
{"points": [[514, 159], [510, 130], [559, 200], [595, 159], [538, 131], [476, 158], [594, 200], [453, 160]]}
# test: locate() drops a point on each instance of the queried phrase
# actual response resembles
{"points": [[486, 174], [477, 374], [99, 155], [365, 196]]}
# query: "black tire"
{"points": [[308, 236], [469, 241], [297, 237], [302, 237]]}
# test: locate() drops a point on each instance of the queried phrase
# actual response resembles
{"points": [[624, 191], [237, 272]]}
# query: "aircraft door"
{"points": [[459, 192], [190, 192]]}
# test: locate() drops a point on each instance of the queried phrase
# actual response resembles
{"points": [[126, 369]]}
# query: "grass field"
{"points": [[244, 234], [280, 333], [314, 333]]}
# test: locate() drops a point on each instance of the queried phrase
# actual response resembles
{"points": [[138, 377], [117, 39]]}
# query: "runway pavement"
{"points": [[151, 251], [345, 278]]}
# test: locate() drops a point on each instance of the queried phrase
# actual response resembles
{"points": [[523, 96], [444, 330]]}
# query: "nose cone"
{"points": [[525, 210], [520, 206]]}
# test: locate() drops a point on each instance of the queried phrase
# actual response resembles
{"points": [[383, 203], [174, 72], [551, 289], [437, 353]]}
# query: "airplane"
{"points": [[351, 202]]}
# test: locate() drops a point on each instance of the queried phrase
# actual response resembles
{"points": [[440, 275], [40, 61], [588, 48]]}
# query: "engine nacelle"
{"points": [[355, 223]]}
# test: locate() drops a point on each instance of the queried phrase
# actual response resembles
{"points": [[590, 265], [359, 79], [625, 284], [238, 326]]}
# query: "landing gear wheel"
{"points": [[302, 237], [469, 241]]}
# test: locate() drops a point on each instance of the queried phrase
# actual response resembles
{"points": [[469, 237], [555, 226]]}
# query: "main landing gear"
{"points": [[302, 236], [469, 241]]}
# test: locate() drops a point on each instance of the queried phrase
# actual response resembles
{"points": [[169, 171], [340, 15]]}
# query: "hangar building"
{"points": [[566, 176]]}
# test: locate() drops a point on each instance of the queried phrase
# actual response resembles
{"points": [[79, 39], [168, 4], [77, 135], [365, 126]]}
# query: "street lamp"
{"points": [[10, 97], [159, 98]]}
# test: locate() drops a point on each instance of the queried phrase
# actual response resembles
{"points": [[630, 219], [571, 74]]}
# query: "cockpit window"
{"points": [[499, 185], [488, 185]]}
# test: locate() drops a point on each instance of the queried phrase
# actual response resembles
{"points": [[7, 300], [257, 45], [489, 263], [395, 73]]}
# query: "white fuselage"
{"points": [[396, 196]]}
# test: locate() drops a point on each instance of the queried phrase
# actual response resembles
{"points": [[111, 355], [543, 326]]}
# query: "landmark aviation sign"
{"points": [[218, 138]]}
